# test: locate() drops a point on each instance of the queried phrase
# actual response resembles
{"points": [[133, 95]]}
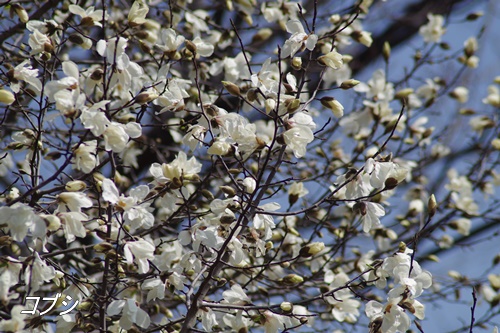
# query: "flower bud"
{"points": [[286, 307], [52, 222], [228, 190], [311, 249], [348, 84], [252, 95], [432, 206], [386, 51], [390, 183], [232, 88], [103, 247], [474, 16], [292, 279], [190, 46], [297, 63], [20, 12], [250, 184], [362, 37], [360, 208], [75, 186], [334, 105], [97, 75], [403, 93], [270, 105], [292, 104], [262, 35], [332, 59], [145, 97], [5, 241], [6, 97]]}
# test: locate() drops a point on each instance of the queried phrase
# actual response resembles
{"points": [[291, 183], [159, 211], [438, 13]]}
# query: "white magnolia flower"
{"points": [[17, 322], [137, 13], [433, 30], [25, 72], [19, 218], [37, 273], [297, 138], [169, 40], [236, 295], [266, 222], [117, 135], [73, 202], [332, 59], [85, 156], [72, 225], [203, 48], [179, 169], [377, 87], [114, 51], [370, 219], [139, 251], [493, 97], [89, 16], [39, 42], [131, 313], [393, 318], [298, 39], [9, 276], [136, 214], [378, 171]]}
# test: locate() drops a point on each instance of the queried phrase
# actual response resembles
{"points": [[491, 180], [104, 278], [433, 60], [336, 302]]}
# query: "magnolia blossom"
{"points": [[169, 40], [298, 38], [131, 313], [73, 202], [137, 13], [39, 42], [235, 296], [9, 277], [266, 222], [370, 219], [433, 30], [493, 97], [139, 251], [377, 87], [85, 156], [72, 225], [297, 138], [114, 51], [136, 214], [19, 218], [89, 16], [38, 273], [25, 72], [179, 169]]}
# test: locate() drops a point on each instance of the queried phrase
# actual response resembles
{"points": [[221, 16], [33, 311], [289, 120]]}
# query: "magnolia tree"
{"points": [[177, 166]]}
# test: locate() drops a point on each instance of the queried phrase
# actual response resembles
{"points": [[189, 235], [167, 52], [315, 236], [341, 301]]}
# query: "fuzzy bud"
{"points": [[432, 206], [286, 307], [232, 88], [6, 97], [348, 84], [334, 105], [311, 249], [20, 12], [262, 35], [386, 51], [297, 63], [75, 186], [292, 279]]}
